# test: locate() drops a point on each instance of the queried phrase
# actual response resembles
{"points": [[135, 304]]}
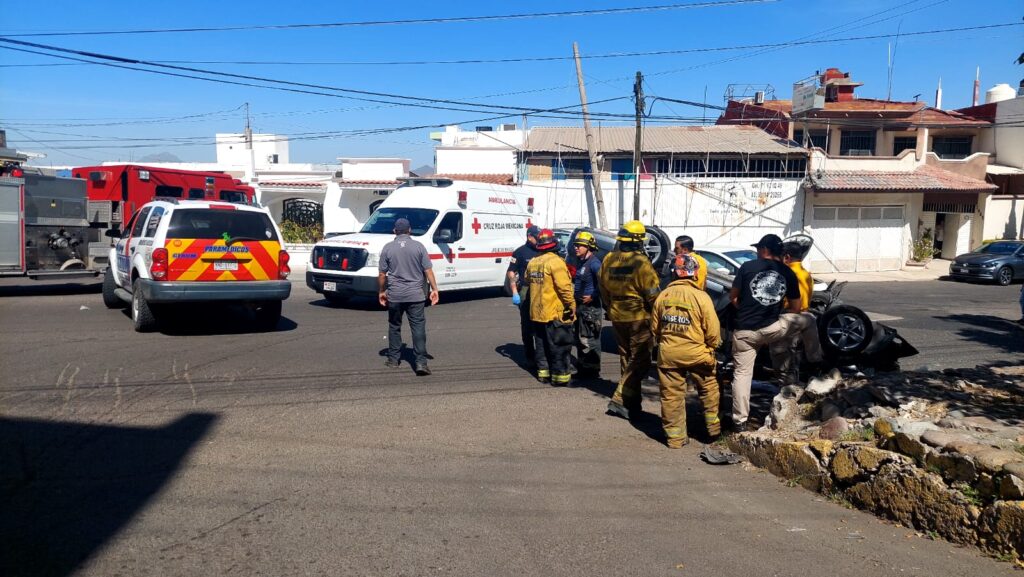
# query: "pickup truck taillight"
{"points": [[283, 270], [158, 270]]}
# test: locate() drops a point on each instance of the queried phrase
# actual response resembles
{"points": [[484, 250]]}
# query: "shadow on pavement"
{"points": [[448, 297], [68, 488], [29, 288], [195, 319], [989, 330]]}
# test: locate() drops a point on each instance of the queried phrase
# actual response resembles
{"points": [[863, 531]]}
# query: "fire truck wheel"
{"points": [[142, 314], [268, 314], [110, 299]]}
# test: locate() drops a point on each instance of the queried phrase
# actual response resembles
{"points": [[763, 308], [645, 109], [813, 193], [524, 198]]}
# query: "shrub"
{"points": [[296, 233], [922, 249]]}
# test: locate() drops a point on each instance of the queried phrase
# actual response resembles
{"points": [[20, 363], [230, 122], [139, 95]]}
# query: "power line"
{"points": [[447, 20], [611, 55]]}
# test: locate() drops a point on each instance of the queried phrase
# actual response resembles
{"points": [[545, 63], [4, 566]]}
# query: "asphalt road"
{"points": [[212, 450]]}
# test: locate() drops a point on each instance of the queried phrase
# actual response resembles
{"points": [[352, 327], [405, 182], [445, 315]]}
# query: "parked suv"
{"points": [[175, 251]]}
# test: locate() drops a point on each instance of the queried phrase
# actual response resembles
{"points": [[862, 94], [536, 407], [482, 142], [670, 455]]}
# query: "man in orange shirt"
{"points": [[803, 326]]}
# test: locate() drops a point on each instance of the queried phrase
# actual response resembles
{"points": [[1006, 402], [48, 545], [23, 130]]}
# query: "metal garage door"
{"points": [[858, 238]]}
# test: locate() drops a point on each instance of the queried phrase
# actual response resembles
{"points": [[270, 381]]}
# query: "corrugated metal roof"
{"points": [[923, 179], [666, 139]]}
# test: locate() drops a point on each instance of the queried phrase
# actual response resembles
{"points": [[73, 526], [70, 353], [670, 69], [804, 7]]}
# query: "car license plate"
{"points": [[330, 286], [225, 265]]}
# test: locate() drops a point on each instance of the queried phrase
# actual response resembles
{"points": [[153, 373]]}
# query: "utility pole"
{"points": [[249, 146], [595, 168], [638, 94]]}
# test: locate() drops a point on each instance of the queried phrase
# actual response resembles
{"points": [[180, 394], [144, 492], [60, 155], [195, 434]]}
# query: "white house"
{"points": [[485, 150]]}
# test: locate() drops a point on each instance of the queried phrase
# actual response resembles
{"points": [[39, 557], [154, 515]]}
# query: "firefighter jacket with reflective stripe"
{"points": [[550, 289], [629, 285], [685, 325]]}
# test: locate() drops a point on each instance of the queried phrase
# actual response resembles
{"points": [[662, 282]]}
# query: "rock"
{"points": [[954, 467], [1002, 528], [991, 461], [919, 499], [844, 467], [1014, 468], [1011, 487], [821, 386], [833, 428], [883, 428], [822, 448], [791, 392], [855, 462], [788, 459], [882, 395], [783, 409], [939, 439], [857, 397], [871, 458], [911, 446], [914, 428], [829, 409], [956, 414], [986, 486], [881, 412]]}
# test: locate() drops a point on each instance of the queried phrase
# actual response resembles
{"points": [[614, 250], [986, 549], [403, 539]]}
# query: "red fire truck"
{"points": [[54, 227]]}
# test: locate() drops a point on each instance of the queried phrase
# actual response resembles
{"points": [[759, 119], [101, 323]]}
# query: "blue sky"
{"points": [[83, 113]]}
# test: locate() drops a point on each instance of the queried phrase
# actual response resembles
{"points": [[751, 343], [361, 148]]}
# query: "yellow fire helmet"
{"points": [[585, 238], [632, 231]]}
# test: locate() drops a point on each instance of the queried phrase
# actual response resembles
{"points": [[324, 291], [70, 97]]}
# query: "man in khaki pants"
{"points": [[686, 327], [758, 292]]}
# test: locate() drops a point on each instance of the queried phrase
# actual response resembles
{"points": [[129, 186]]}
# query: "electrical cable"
{"points": [[446, 20]]}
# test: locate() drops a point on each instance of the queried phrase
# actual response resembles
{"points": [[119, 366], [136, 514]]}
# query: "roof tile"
{"points": [[924, 179]]}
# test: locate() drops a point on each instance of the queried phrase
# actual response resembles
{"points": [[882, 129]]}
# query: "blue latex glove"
{"points": [[516, 300]]}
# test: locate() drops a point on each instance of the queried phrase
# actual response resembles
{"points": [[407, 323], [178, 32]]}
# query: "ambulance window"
{"points": [[140, 222], [382, 221], [168, 191], [196, 194], [453, 222], [154, 221]]}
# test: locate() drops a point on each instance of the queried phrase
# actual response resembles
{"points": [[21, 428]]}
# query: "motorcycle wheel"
{"points": [[844, 330]]}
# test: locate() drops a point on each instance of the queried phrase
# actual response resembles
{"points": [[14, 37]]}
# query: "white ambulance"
{"points": [[469, 229]]}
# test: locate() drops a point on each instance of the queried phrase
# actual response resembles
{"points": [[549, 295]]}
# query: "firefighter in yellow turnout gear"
{"points": [[686, 327], [552, 310], [629, 285]]}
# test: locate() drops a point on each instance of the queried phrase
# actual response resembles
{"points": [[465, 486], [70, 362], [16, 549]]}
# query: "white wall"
{"points": [[714, 211], [1009, 140], [231, 150], [373, 168], [1004, 218], [477, 160]]}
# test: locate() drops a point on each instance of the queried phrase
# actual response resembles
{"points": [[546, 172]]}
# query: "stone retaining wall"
{"points": [[966, 493]]}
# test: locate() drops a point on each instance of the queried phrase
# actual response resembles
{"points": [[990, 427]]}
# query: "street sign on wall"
{"points": [[807, 97]]}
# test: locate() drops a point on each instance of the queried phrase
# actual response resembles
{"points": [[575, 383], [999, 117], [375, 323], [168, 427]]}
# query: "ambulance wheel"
{"points": [[336, 299], [268, 314], [110, 298], [142, 314]]}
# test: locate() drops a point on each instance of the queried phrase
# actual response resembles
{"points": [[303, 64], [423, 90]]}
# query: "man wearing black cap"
{"points": [[404, 265], [520, 294], [758, 292]]}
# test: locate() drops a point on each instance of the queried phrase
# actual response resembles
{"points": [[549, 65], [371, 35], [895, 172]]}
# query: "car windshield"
{"points": [[383, 220], [999, 248], [226, 224], [741, 256]]}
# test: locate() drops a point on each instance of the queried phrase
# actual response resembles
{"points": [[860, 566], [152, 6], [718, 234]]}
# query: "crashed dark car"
{"points": [[1001, 261], [848, 336]]}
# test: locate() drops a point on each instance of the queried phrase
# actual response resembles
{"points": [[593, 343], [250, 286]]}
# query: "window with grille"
{"points": [[857, 143], [952, 147], [814, 138], [901, 143], [570, 168]]}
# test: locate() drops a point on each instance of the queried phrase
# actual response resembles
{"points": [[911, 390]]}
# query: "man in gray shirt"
{"points": [[404, 264]]}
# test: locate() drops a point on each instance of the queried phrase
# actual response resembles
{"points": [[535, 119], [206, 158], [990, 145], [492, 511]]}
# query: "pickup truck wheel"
{"points": [[142, 314], [110, 299], [268, 314]]}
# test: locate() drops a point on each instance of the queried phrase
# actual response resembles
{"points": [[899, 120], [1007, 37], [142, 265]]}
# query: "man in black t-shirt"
{"points": [[520, 296], [758, 292]]}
